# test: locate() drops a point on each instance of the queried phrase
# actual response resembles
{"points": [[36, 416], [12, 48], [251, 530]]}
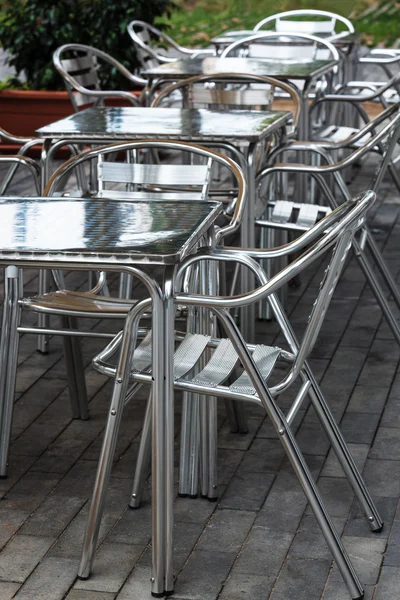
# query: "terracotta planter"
{"points": [[24, 111]]}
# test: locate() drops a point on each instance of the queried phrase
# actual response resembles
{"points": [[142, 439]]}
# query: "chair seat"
{"points": [[339, 134], [201, 362], [76, 302]]}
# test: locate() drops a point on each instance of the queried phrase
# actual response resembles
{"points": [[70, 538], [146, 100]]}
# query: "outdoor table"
{"points": [[239, 132], [303, 70], [125, 237]]}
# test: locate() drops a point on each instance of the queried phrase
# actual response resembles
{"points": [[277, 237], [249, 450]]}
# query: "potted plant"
{"points": [[30, 31]]}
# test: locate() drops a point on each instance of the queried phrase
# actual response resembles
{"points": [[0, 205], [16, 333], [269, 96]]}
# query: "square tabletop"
{"points": [[92, 231], [304, 69], [128, 123]]}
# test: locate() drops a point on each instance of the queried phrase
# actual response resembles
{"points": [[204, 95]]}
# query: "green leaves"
{"points": [[31, 30]]}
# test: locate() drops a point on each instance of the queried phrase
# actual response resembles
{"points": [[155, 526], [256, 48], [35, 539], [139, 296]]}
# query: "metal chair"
{"points": [[232, 92], [186, 181], [154, 47], [326, 25], [14, 162], [289, 216], [308, 46], [78, 65], [216, 360]]}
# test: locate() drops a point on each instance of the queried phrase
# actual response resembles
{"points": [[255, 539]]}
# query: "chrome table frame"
{"points": [[61, 132], [161, 300]]}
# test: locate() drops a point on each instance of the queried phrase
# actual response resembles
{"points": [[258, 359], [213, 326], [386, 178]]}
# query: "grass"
{"points": [[194, 23]]}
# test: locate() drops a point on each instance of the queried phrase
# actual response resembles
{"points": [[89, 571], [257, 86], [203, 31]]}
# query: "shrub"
{"points": [[30, 31]]}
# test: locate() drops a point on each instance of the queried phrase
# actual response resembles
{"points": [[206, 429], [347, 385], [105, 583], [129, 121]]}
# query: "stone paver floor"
{"points": [[260, 541]]}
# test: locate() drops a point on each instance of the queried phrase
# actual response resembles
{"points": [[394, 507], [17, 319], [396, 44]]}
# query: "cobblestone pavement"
{"points": [[260, 541]]}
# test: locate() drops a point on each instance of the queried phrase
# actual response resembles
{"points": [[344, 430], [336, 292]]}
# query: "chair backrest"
{"points": [[322, 22], [148, 179], [147, 39], [79, 67], [282, 46], [230, 91]]}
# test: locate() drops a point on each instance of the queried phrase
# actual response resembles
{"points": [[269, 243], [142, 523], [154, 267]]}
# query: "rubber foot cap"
{"points": [[3, 476], [379, 529], [169, 593], [82, 578], [183, 495], [158, 595], [214, 499], [359, 597], [193, 496], [133, 507]]}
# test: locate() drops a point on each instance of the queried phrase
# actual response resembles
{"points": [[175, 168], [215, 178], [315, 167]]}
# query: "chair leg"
{"points": [[212, 493], [143, 459], [327, 527], [9, 344], [43, 319], [378, 292], [189, 452], [75, 372], [383, 268], [343, 454], [120, 389]]}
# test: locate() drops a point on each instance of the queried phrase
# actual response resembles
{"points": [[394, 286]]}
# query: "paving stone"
{"points": [[10, 523], [389, 584], [137, 586], [336, 588], [359, 428], [366, 554], [368, 399], [112, 565], [358, 524], [89, 595], [392, 555], [264, 551], [301, 579], [332, 466], [391, 414], [239, 586], [30, 491], [386, 444], [383, 477], [8, 589], [226, 529], [337, 495], [264, 456], [192, 584], [247, 491], [21, 555], [50, 581], [309, 541]]}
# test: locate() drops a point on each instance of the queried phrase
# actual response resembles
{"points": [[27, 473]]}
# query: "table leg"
{"points": [[163, 440], [43, 285], [247, 240]]}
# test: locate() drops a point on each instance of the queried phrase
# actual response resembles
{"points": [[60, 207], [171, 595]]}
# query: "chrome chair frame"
{"points": [[91, 304], [258, 37], [336, 230], [149, 56], [385, 140], [15, 161], [309, 26], [77, 82]]}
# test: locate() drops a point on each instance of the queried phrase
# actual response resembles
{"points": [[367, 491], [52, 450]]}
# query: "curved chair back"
{"points": [[147, 40], [78, 65], [282, 45], [230, 91], [151, 180], [325, 24]]}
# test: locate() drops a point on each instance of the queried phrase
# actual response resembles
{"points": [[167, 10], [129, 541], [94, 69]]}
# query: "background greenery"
{"points": [[30, 30], [195, 22]]}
